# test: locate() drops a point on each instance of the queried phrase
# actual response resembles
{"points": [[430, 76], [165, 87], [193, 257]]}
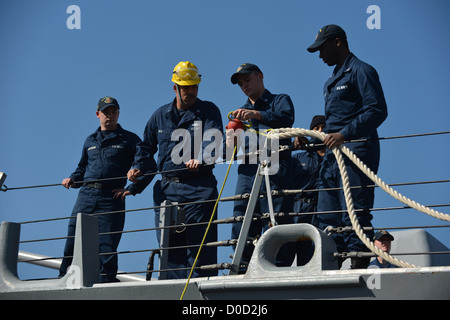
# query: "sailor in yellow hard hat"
{"points": [[186, 77], [192, 117]]}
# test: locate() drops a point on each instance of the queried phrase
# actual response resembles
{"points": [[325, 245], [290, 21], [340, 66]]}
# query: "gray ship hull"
{"points": [[318, 279], [403, 283]]}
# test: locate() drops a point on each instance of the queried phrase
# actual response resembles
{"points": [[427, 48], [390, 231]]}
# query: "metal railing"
{"points": [[169, 210]]}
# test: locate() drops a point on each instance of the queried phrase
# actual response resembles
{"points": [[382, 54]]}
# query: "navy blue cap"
{"points": [[105, 102], [245, 68], [382, 233], [326, 33], [316, 120]]}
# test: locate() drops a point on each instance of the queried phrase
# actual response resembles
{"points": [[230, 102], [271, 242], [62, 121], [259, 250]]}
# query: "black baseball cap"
{"points": [[326, 33], [382, 233], [245, 68], [316, 120], [105, 102]]}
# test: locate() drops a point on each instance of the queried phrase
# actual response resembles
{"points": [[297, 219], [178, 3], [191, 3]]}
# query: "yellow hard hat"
{"points": [[185, 73]]}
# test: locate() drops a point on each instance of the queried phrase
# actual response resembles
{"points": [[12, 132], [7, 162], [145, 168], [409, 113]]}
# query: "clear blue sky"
{"points": [[51, 79]]}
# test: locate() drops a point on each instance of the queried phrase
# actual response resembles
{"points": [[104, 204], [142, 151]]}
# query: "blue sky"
{"points": [[52, 77]]}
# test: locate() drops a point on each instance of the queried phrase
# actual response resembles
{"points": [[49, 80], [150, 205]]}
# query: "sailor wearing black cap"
{"points": [[354, 108], [382, 241], [107, 153], [265, 110], [306, 167]]}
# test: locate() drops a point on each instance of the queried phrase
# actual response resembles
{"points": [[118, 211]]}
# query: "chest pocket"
{"points": [[93, 154], [164, 141], [344, 88], [115, 149], [118, 153]]}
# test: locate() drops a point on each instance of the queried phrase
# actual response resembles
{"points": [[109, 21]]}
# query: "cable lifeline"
{"points": [[4, 188]]}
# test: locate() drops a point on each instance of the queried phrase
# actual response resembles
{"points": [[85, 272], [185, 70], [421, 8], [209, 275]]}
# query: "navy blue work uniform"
{"points": [[107, 154], [354, 106], [306, 167], [183, 185], [277, 111], [377, 263]]}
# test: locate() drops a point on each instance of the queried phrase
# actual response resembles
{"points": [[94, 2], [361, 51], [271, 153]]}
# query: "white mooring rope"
{"points": [[284, 133]]}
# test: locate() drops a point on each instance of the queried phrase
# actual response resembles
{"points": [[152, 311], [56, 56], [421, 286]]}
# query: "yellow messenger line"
{"points": [[209, 224]]}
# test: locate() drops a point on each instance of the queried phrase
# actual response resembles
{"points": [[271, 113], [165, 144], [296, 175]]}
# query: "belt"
{"points": [[181, 179], [175, 179], [197, 175], [97, 186]]}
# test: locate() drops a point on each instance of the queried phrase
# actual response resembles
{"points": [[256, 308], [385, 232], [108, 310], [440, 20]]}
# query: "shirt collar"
{"points": [[190, 113], [346, 67], [173, 105], [265, 98], [116, 132]]}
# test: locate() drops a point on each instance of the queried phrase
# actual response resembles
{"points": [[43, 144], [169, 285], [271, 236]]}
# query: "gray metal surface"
{"points": [[167, 217], [264, 281], [84, 271], [263, 259], [254, 195], [48, 262], [418, 283]]}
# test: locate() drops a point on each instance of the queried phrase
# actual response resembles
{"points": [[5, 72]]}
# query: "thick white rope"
{"points": [[284, 133], [355, 223]]}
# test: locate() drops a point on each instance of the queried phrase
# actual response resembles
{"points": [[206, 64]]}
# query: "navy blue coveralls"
{"points": [[306, 176], [184, 185], [306, 167], [354, 106], [376, 263], [277, 111], [103, 157]]}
